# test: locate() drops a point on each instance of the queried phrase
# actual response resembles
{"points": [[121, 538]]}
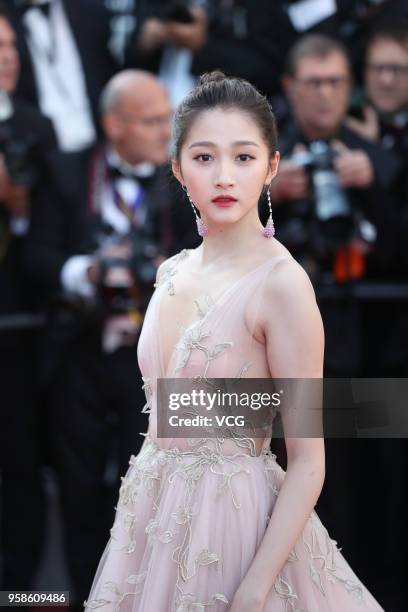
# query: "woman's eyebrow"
{"points": [[246, 142], [207, 143], [202, 143]]}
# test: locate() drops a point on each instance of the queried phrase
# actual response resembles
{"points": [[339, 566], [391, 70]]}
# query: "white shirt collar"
{"points": [[143, 169]]}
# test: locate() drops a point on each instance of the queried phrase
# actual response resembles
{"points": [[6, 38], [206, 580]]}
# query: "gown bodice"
{"points": [[218, 344]]}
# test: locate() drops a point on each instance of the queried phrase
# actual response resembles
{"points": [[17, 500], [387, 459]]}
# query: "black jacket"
{"points": [[89, 21], [376, 203], [35, 134], [66, 223], [243, 42]]}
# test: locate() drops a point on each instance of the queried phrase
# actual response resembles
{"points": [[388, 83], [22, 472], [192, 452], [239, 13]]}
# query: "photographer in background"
{"points": [[385, 112], [98, 246], [26, 137], [66, 61], [331, 195], [382, 117], [333, 209], [166, 36]]}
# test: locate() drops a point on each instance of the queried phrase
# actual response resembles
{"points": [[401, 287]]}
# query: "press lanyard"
{"points": [[132, 210]]}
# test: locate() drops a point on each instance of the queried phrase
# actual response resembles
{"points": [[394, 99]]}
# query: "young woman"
{"points": [[215, 523]]}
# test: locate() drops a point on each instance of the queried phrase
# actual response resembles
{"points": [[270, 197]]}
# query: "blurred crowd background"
{"points": [[88, 210]]}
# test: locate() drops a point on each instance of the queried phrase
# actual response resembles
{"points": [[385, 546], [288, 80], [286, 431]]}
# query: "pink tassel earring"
{"points": [[202, 227], [269, 229]]}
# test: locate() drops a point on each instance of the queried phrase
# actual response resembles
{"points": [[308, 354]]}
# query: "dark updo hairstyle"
{"points": [[215, 90]]}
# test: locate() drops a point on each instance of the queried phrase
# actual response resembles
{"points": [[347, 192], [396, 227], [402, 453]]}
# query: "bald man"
{"points": [[111, 199], [136, 117]]}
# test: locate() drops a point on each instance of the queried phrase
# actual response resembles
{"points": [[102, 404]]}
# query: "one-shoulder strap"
{"points": [[169, 270]]}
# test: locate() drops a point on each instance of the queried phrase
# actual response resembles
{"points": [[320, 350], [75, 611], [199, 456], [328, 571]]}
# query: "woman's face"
{"points": [[224, 154]]}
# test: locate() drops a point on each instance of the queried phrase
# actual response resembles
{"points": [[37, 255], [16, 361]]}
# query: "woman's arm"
{"points": [[294, 338]]}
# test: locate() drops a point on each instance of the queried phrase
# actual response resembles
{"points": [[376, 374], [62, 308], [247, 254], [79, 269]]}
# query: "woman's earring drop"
{"points": [[202, 227], [269, 229]]}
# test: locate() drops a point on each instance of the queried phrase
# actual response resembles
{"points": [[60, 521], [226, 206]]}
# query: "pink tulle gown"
{"points": [[192, 513]]}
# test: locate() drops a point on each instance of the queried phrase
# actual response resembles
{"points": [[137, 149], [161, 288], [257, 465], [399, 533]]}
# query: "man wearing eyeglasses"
{"points": [[317, 83], [96, 245], [385, 112], [384, 120], [336, 212]]}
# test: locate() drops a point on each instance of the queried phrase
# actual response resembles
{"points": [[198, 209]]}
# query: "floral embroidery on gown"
{"points": [[192, 513]]}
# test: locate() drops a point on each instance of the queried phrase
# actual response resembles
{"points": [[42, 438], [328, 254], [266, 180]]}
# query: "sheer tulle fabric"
{"points": [[192, 513]]}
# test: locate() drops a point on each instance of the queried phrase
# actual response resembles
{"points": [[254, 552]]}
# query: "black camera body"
{"points": [[18, 157], [125, 283], [176, 11], [319, 225], [332, 208]]}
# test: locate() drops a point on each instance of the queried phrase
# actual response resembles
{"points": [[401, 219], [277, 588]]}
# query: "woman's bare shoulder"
{"points": [[288, 277], [288, 290], [291, 323]]}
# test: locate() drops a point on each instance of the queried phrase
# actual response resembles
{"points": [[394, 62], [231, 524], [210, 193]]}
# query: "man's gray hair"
{"points": [[110, 96], [313, 45]]}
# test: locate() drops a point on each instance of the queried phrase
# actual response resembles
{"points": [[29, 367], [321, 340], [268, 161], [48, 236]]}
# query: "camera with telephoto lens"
{"points": [[337, 221], [176, 11], [125, 282]]}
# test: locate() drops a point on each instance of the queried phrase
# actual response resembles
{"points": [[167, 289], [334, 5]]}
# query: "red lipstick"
{"points": [[224, 200]]}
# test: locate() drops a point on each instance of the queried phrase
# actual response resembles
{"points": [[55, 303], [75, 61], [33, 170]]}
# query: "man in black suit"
{"points": [[340, 246], [113, 196], [25, 139], [336, 214], [384, 120], [240, 37], [66, 62], [317, 83]]}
